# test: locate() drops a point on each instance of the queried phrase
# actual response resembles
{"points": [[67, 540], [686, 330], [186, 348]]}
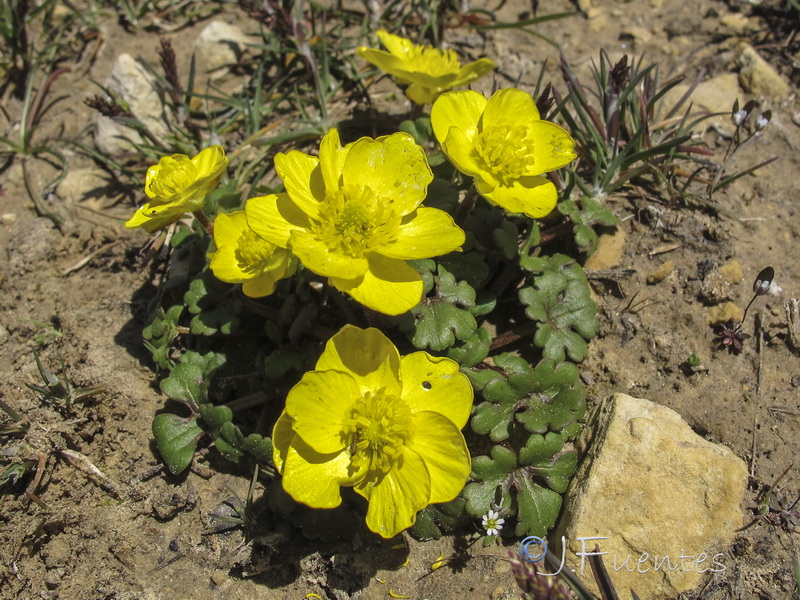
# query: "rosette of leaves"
{"points": [[530, 413], [559, 301]]}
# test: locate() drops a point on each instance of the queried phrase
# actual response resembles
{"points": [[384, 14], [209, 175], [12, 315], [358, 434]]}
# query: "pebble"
{"points": [[758, 77], [219, 577], [8, 218], [608, 254], [732, 272], [661, 273], [722, 313]]}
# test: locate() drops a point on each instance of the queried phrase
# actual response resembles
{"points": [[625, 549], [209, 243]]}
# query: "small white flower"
{"points": [[491, 523]]}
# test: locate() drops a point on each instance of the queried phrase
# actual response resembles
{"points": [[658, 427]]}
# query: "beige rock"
{"points": [[133, 84], [661, 273], [715, 95], [608, 254], [649, 489], [722, 313], [758, 77], [219, 46], [732, 272], [80, 183]]}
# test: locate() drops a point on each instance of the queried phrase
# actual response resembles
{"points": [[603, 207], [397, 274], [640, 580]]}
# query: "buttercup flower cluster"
{"points": [[387, 426]]}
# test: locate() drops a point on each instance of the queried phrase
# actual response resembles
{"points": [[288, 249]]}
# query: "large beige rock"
{"points": [[758, 77], [654, 491]]}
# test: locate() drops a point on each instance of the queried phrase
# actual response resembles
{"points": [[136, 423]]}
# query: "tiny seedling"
{"points": [[730, 334], [61, 389]]}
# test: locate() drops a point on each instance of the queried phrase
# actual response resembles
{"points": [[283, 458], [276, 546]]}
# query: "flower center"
{"points": [[506, 150], [433, 61], [172, 177], [353, 221], [252, 252], [376, 428]]}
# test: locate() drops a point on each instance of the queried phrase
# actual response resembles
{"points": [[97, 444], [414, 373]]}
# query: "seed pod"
{"points": [[763, 281]]}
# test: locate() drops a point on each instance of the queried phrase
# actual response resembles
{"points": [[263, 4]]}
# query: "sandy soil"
{"points": [[139, 534]]}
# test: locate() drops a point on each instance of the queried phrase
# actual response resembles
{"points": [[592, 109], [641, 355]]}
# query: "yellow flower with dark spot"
{"points": [[427, 71], [386, 425], [177, 185], [244, 257], [354, 215], [504, 145]]}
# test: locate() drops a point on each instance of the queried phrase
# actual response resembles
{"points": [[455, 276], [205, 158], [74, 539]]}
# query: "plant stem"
{"points": [[207, 225], [466, 206], [509, 337]]}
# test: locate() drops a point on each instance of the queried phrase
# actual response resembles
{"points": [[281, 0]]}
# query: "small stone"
{"points": [[738, 23], [661, 273], [57, 553], [219, 577], [644, 472], [8, 218], [758, 77], [722, 313], [610, 248], [3, 335], [731, 272], [640, 34], [498, 593], [502, 566]]}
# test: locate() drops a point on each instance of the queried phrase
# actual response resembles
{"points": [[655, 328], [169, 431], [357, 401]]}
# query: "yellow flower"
{"points": [[243, 257], [504, 145], [354, 215], [386, 425], [177, 185], [427, 71]]}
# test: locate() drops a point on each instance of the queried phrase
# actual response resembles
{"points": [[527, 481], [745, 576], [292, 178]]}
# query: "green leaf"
{"points": [[436, 520], [176, 440], [489, 475], [473, 350], [438, 321], [560, 300], [160, 334], [187, 382], [538, 507], [584, 217], [549, 397]]}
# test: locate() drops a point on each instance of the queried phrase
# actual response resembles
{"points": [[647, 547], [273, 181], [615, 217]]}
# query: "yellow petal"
{"points": [[419, 94], [229, 227], [302, 179], [274, 218], [441, 445], [535, 197], [461, 152], [282, 435], [317, 405], [264, 284], [509, 105], [428, 232], [318, 257], [383, 60], [152, 218], [395, 500], [394, 167], [367, 354], [389, 286], [211, 162], [553, 147], [314, 478], [435, 384], [225, 265], [331, 159], [473, 71], [461, 110], [399, 46]]}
